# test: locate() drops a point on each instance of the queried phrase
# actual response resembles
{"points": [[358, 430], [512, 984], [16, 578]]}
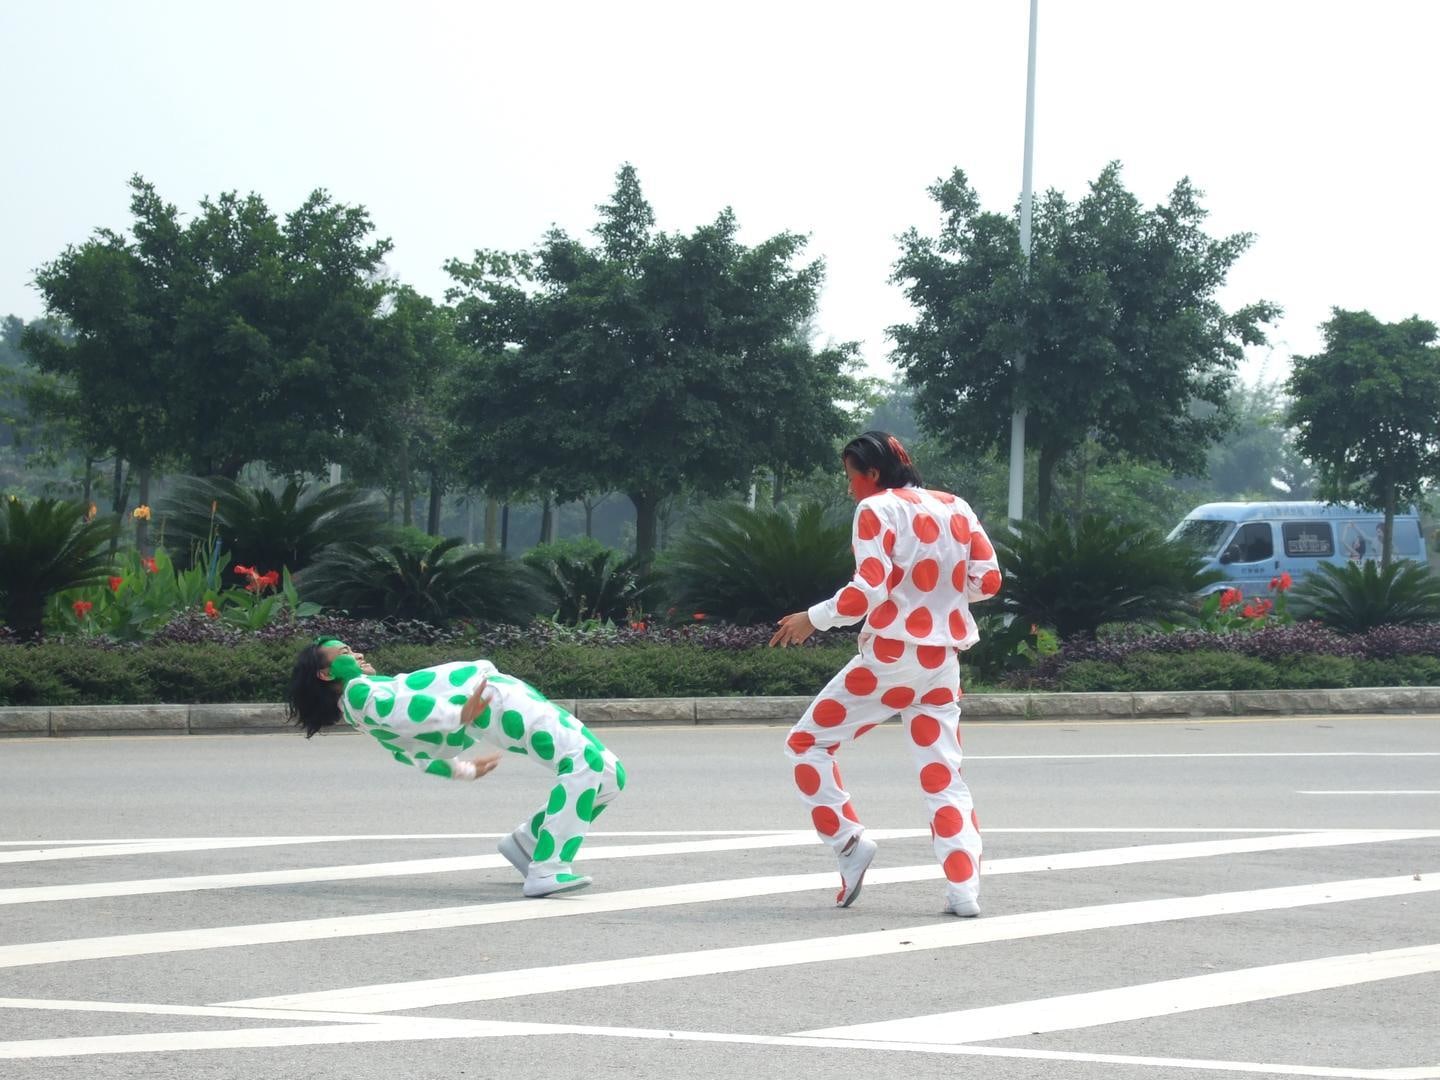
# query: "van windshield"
{"points": [[1202, 534]]}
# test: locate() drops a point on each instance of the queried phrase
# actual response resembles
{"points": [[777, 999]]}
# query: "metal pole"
{"points": [[1017, 419]]}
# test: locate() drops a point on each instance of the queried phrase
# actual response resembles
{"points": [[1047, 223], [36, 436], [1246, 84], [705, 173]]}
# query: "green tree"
{"points": [[648, 364], [228, 338], [1368, 412], [1257, 458], [1123, 339]]}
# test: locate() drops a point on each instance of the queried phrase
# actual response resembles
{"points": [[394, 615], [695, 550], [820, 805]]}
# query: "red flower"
{"points": [[149, 564], [637, 626], [1281, 583], [1229, 598], [244, 571], [115, 583], [270, 579], [699, 616], [211, 610], [82, 608]]}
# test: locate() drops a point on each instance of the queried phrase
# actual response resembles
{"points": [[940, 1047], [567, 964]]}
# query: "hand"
{"points": [[478, 702], [486, 763], [793, 630]]}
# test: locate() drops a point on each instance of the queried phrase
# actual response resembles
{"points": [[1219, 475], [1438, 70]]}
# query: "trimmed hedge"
{"points": [[63, 674], [1231, 671]]}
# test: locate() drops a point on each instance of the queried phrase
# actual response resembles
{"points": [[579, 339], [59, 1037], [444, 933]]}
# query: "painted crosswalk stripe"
{"points": [[345, 926], [416, 1029], [1070, 1011], [496, 985]]}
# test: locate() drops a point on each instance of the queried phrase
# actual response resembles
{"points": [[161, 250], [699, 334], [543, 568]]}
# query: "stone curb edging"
{"points": [[60, 720]]}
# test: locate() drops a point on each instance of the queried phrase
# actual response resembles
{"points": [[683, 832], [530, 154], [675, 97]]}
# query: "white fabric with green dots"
{"points": [[416, 717]]}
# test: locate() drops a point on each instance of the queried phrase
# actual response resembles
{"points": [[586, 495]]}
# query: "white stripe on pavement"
{"points": [[496, 985], [73, 849], [96, 948], [349, 1028], [1387, 792], [98, 890], [1070, 1011]]}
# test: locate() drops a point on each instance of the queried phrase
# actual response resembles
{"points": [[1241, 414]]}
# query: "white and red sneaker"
{"points": [[853, 862]]}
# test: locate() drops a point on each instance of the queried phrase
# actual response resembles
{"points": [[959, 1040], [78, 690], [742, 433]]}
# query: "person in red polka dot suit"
{"points": [[921, 559]]}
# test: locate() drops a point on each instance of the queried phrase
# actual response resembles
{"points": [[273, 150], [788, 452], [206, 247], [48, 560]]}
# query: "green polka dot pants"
{"points": [[587, 776]]}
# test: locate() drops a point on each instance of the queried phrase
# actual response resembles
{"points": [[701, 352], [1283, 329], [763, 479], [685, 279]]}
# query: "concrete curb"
{"points": [[32, 721]]}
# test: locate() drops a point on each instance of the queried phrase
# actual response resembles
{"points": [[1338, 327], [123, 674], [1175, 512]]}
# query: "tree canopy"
{"points": [[1124, 341]]}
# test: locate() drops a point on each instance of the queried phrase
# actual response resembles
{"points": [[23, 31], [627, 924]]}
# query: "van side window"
{"points": [[1253, 543], [1308, 539]]}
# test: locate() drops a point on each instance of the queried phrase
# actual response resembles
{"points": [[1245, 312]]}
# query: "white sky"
{"points": [[464, 125]]}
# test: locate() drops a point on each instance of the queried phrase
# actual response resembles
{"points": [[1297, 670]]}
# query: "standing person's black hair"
{"points": [[883, 452]]}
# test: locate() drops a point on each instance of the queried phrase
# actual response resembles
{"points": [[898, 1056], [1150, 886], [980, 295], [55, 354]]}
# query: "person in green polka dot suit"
{"points": [[433, 720]]}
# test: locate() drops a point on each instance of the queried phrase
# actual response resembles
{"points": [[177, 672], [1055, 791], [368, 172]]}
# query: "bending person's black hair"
{"points": [[882, 451], [311, 700]]}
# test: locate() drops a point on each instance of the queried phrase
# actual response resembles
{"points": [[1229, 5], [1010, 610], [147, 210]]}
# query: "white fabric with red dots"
{"points": [[922, 684], [921, 559]]}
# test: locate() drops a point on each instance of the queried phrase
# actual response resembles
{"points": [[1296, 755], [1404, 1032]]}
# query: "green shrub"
{"points": [[1075, 579], [1360, 596], [1172, 671], [45, 548], [588, 581], [443, 584], [753, 566], [1398, 671], [269, 531]]}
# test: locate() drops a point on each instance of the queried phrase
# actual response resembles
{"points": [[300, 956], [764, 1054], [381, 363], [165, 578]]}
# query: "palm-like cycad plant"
{"points": [[1075, 579], [45, 548], [1359, 597], [437, 586], [266, 530], [600, 585], [757, 565]]}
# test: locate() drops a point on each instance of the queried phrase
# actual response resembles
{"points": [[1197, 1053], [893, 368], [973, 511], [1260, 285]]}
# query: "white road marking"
{"points": [[72, 849], [147, 886], [496, 985], [1236, 754], [1070, 1011], [96, 948], [350, 1028], [1387, 792]]}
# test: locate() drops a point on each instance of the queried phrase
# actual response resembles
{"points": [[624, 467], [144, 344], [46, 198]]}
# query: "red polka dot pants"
{"points": [[920, 683]]}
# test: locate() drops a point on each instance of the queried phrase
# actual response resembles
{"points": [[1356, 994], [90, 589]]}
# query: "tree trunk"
{"points": [[437, 495], [470, 519], [778, 494], [589, 519], [1045, 480], [505, 527], [142, 527], [117, 501], [87, 492], [1387, 544], [407, 486], [492, 524], [547, 522], [1081, 475], [647, 508], [390, 505]]}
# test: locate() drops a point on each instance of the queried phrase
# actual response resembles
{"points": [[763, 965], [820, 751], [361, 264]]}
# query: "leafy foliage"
{"points": [[46, 547], [648, 364], [1115, 313], [1368, 408], [757, 565], [1075, 579], [440, 585], [269, 530], [1358, 597], [589, 581]]}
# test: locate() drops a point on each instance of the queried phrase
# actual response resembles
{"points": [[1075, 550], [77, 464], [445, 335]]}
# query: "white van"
{"points": [[1253, 542]]}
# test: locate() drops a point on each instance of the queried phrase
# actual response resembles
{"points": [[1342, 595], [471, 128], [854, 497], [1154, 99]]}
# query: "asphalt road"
{"points": [[1161, 900]]}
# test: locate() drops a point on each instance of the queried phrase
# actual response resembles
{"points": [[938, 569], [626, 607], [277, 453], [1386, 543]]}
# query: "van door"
{"points": [[1308, 543], [1249, 559]]}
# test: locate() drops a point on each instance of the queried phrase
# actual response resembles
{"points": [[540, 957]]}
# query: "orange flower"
{"points": [[1281, 583], [637, 626], [91, 511], [141, 513], [211, 610], [115, 583], [699, 616], [149, 563], [82, 608], [1229, 598]]}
